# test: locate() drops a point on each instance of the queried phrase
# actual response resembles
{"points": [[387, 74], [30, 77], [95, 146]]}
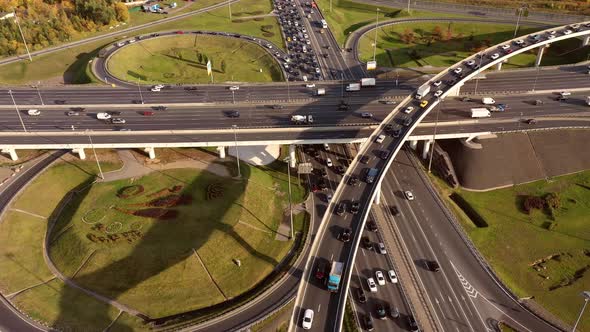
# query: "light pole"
{"points": [[234, 127], [139, 89], [520, 10], [95, 156], [229, 6], [288, 90], [39, 92], [288, 161], [342, 85], [536, 78], [586, 296], [434, 137], [408, 6], [376, 30], [478, 71], [23, 36], [233, 97], [17, 111]]}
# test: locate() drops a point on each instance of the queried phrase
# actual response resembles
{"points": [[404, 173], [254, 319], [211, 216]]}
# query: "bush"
{"points": [[130, 191], [532, 202], [268, 34], [552, 200]]}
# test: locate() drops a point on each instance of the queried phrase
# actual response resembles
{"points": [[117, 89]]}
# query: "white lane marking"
{"points": [[319, 307]]}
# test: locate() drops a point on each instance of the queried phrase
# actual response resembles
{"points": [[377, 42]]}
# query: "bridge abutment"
{"points": [[586, 41], [11, 153], [454, 91]]}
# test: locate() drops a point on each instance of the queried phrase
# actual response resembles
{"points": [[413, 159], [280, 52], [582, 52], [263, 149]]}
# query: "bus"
{"points": [[324, 24]]}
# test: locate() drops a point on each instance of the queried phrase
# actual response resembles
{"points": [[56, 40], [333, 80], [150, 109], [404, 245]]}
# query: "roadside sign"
{"points": [[304, 168]]}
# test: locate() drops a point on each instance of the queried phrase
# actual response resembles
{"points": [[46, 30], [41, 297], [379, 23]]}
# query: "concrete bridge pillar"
{"points": [[12, 153], [454, 92], [499, 65], [586, 41], [426, 149], [377, 200], [151, 152], [292, 157], [539, 56], [80, 152], [414, 144], [221, 150]]}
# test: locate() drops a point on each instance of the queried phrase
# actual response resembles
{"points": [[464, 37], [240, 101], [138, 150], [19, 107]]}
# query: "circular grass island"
{"points": [[183, 59]]}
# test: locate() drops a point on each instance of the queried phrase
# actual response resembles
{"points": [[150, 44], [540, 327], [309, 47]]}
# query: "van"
{"points": [[34, 112], [103, 116]]}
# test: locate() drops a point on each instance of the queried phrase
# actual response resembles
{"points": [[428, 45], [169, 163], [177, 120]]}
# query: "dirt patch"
{"points": [[104, 155]]}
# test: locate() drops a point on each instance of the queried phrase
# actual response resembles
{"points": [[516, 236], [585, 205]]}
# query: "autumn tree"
{"points": [[408, 36], [437, 32]]}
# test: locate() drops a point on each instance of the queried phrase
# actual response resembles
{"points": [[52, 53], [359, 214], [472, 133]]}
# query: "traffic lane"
{"points": [[451, 312], [477, 284]]}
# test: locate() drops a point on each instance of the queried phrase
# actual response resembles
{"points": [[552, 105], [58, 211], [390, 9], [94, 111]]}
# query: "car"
{"points": [[366, 243], [340, 208], [322, 184], [388, 102], [409, 109], [355, 207], [531, 121], [424, 103], [339, 169], [317, 70], [432, 266], [384, 154], [323, 172], [550, 37], [364, 160], [505, 46], [155, 89], [366, 115], [437, 83], [372, 226], [73, 113], [407, 121], [311, 85], [329, 162], [380, 278], [353, 180], [233, 114], [394, 312], [159, 86], [538, 102], [519, 42], [567, 32], [508, 51], [277, 107], [413, 324], [147, 113], [326, 147], [565, 93], [328, 197], [118, 121], [179, 32], [380, 139], [409, 196], [575, 27], [458, 70], [234, 88], [380, 311], [372, 285], [368, 322], [321, 268], [307, 319], [495, 56], [381, 248], [396, 133], [394, 210], [438, 93], [361, 296], [470, 63], [191, 88], [345, 235], [392, 276], [466, 99]]}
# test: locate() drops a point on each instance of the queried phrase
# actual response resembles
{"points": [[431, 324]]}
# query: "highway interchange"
{"points": [[204, 109]]}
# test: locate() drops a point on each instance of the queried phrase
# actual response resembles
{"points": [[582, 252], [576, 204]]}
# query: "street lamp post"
{"points": [[17, 111], [434, 137], [139, 89], [408, 6], [536, 78], [477, 74], [288, 90], [23, 37], [39, 92], [95, 156], [520, 10], [586, 296], [376, 30], [233, 97], [288, 161], [234, 127], [342, 85]]}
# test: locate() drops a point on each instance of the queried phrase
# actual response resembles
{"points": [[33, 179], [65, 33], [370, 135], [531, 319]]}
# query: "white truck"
{"points": [[367, 82], [103, 116], [480, 113], [488, 101], [320, 92], [353, 87], [588, 100], [302, 119], [423, 91]]}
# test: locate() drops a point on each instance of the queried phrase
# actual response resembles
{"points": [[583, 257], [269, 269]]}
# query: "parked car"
{"points": [[341, 208], [372, 285], [380, 311], [362, 298], [381, 248], [392, 276], [366, 243], [380, 278], [355, 207]]}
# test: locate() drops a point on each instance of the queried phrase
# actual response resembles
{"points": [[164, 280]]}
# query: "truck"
{"points": [[302, 119], [367, 82], [488, 101], [371, 175], [480, 113], [588, 100], [320, 92], [353, 87], [423, 91], [334, 276]]}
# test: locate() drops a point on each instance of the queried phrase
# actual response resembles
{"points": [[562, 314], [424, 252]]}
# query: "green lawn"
{"points": [[73, 62], [174, 59], [514, 241], [463, 40]]}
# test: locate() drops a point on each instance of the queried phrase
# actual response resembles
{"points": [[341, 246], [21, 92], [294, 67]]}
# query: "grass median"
{"points": [[544, 253]]}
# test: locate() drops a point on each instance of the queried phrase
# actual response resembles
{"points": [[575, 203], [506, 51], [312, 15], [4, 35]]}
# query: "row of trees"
{"points": [[47, 22]]}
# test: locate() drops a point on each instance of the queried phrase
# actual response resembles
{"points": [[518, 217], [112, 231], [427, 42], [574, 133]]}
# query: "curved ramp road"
{"points": [[330, 307]]}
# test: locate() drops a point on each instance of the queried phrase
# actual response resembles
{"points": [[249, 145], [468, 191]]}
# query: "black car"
{"points": [[232, 114], [320, 271], [114, 112], [161, 108], [60, 102], [407, 121], [323, 172], [315, 153], [467, 99], [339, 169], [353, 180], [433, 266], [191, 88], [341, 208], [322, 184], [361, 295], [372, 226], [345, 235], [343, 107], [368, 322], [396, 133], [413, 324], [389, 127], [364, 160], [384, 154], [366, 243], [381, 311], [355, 207], [394, 210]]}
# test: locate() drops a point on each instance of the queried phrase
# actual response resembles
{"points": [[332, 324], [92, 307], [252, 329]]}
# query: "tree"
{"points": [[200, 57], [223, 66], [437, 33], [122, 12], [408, 36]]}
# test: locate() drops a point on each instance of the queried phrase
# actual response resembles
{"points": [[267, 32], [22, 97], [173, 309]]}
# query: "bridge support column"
{"points": [[151, 152], [221, 150], [292, 157], [586, 41], [539, 56], [378, 196], [80, 152], [499, 66], [414, 144], [12, 153], [426, 148], [454, 92]]}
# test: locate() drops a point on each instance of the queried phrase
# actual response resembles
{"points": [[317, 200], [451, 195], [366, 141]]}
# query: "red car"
{"points": [[313, 5], [180, 32], [148, 113]]}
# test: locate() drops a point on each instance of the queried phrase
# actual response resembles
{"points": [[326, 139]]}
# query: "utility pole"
{"points": [[39, 92], [95, 156], [237, 150], [288, 161], [376, 30], [536, 78], [17, 111], [23, 36], [434, 136]]}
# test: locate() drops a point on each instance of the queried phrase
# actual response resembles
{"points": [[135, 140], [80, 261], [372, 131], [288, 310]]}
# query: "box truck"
{"points": [[353, 87], [367, 82], [335, 276], [480, 113], [320, 92], [423, 91]]}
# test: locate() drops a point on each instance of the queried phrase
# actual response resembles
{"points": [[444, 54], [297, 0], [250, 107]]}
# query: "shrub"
{"points": [[268, 34], [532, 202], [130, 191], [552, 200]]}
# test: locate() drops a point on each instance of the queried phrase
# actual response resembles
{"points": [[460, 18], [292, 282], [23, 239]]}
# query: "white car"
{"points": [[269, 46], [234, 88], [505, 46], [317, 70], [307, 319], [565, 93], [552, 32], [380, 278], [308, 42], [310, 85], [438, 93], [326, 147], [306, 36], [118, 121], [458, 70], [409, 195], [550, 37], [409, 109], [303, 30], [437, 83], [567, 32], [392, 276], [495, 56], [470, 63], [329, 162], [155, 89], [372, 285], [519, 42], [381, 248], [159, 86], [380, 139]]}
